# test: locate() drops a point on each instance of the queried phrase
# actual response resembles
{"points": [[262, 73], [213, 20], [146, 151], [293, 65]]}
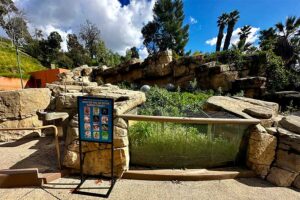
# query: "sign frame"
{"points": [[110, 140]]}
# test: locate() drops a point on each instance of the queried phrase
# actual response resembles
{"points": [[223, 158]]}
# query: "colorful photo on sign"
{"points": [[87, 134], [105, 135], [87, 110], [96, 110], [104, 119], [96, 118], [96, 127], [87, 119], [96, 135], [104, 111], [87, 126], [104, 127]]}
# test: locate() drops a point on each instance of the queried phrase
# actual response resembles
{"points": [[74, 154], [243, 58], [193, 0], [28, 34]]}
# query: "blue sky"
{"points": [[121, 25], [257, 13]]}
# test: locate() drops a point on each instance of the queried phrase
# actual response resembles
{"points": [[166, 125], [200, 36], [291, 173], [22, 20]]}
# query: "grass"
{"points": [[8, 61], [183, 146]]}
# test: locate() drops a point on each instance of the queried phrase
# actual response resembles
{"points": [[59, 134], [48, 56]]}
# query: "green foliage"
{"points": [[76, 52], [8, 61], [166, 31], [105, 56], [161, 102], [181, 145], [134, 53], [284, 40], [277, 75], [63, 61]]}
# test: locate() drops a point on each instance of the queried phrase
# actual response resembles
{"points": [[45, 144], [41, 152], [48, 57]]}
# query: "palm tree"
{"points": [[232, 19], [222, 21], [242, 45], [267, 39], [245, 31], [287, 45]]}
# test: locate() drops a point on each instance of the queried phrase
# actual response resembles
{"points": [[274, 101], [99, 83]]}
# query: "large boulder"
{"points": [[288, 140], [297, 182], [291, 123], [281, 177], [287, 160], [242, 107], [261, 150], [22, 123], [20, 104]]}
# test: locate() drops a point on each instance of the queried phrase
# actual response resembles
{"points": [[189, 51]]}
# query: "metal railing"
{"points": [[183, 142]]}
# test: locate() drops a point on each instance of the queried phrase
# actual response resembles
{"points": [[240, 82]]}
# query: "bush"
{"points": [[277, 75], [160, 102]]}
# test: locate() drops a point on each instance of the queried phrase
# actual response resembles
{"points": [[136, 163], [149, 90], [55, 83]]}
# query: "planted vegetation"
{"points": [[181, 145]]}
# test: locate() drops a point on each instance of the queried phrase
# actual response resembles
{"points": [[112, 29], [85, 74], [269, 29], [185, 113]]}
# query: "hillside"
{"points": [[8, 61]]}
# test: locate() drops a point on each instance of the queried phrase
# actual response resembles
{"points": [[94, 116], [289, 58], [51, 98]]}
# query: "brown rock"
{"points": [[261, 150], [291, 123], [236, 105], [289, 140], [259, 112], [23, 123], [223, 80], [281, 177], [179, 70], [121, 123], [98, 162], [296, 182], [18, 104], [288, 161], [71, 160]]}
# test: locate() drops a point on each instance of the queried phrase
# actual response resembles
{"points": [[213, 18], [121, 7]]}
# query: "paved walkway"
{"points": [[240, 189]]}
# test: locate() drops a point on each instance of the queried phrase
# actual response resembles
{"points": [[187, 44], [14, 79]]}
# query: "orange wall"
{"points": [[11, 83], [47, 76]]}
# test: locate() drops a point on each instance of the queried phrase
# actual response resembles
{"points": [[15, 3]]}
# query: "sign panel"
{"points": [[95, 119]]}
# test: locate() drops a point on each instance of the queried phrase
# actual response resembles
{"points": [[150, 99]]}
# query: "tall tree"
{"points": [[267, 39], [76, 51], [6, 7], [242, 44], [222, 21], [232, 19], [134, 53], [166, 31], [288, 40], [90, 34], [50, 48]]}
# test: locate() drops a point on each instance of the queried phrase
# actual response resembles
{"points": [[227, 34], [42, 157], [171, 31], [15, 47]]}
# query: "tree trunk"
{"points": [[228, 36], [220, 37]]}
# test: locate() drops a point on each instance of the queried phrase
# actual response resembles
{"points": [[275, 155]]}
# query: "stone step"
{"points": [[189, 175], [10, 178]]}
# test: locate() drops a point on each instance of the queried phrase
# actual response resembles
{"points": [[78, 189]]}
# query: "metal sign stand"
{"points": [[84, 178]]}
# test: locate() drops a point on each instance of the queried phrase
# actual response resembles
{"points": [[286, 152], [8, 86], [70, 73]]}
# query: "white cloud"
{"points": [[143, 53], [193, 20], [120, 26], [252, 38]]}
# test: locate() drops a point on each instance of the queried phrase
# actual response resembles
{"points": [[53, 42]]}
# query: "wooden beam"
{"points": [[189, 120]]}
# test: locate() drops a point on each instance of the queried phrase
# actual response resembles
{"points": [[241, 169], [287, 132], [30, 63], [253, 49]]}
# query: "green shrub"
{"points": [[161, 102], [277, 75]]}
